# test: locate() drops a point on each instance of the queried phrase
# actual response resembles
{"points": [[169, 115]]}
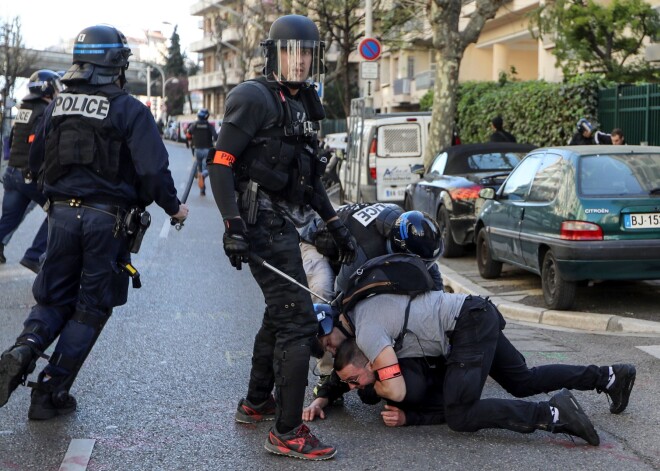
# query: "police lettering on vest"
{"points": [[23, 116], [90, 106], [370, 213]]}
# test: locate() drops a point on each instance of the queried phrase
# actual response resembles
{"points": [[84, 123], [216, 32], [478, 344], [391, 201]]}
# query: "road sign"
{"points": [[369, 70], [369, 49]]}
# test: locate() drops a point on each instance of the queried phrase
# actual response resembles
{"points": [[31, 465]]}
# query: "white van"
{"points": [[381, 150]]}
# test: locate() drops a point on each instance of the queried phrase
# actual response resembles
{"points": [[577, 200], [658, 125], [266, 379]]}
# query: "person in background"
{"points": [[499, 133], [202, 135], [20, 187], [617, 137]]}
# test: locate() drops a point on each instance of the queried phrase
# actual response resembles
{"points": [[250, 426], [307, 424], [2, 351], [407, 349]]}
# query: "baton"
{"points": [[191, 178], [260, 261]]}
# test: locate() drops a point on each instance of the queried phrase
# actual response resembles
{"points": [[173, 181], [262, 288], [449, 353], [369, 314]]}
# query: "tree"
{"points": [[449, 44], [175, 66], [14, 60], [599, 38]]}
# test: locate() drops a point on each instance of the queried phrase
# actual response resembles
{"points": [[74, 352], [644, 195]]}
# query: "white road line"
{"points": [[78, 454], [165, 230], [651, 350]]}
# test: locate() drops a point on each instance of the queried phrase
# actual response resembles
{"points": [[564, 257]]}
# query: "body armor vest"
{"points": [[284, 159], [81, 134], [28, 114], [370, 224], [202, 137]]}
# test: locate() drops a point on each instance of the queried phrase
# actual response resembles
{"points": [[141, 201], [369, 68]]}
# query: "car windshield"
{"points": [[619, 174], [483, 162]]}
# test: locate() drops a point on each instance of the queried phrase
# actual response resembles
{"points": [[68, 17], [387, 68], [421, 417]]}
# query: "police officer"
{"points": [[100, 154], [587, 135], [20, 188], [202, 135], [267, 153]]}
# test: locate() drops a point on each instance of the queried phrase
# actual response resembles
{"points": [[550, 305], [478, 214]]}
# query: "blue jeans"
{"points": [[15, 202]]}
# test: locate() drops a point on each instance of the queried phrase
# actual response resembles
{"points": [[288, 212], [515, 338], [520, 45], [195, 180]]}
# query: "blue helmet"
{"points": [[584, 125], [203, 114], [43, 84], [417, 233]]}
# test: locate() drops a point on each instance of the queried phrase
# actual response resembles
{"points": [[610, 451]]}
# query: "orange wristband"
{"points": [[389, 372]]}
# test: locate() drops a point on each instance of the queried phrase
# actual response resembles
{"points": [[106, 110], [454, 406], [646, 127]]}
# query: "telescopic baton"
{"points": [[260, 261], [191, 178]]}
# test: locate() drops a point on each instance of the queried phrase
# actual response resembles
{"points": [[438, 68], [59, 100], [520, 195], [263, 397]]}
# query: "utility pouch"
{"points": [[249, 202], [136, 223], [312, 103]]}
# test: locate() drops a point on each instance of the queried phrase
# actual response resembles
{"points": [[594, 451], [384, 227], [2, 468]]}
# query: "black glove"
{"points": [[235, 242], [346, 243]]}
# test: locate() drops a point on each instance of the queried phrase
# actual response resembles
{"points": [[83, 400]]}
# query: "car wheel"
{"points": [[488, 268], [450, 248], [557, 292]]}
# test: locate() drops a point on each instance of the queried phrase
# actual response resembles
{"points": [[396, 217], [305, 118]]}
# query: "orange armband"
{"points": [[223, 158], [389, 372]]}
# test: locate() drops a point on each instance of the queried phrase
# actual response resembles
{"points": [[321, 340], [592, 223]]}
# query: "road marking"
{"points": [[651, 350], [78, 454], [165, 230]]}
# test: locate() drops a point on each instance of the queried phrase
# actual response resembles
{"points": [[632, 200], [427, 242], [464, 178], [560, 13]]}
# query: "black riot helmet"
{"points": [[100, 56], [203, 114], [294, 51], [417, 233], [43, 83]]}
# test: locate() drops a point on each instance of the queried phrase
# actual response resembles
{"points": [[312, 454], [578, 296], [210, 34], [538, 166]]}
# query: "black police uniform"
{"points": [[370, 224], [203, 135], [101, 154], [267, 137], [19, 192]]}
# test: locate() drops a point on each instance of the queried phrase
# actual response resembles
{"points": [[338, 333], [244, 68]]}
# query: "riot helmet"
{"points": [[328, 318], [100, 56], [294, 52], [43, 83], [417, 233], [583, 125], [203, 114]]}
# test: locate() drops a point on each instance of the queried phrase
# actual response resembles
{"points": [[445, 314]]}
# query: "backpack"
{"points": [[396, 273]]}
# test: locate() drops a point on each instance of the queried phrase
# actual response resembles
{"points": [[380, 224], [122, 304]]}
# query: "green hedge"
{"points": [[536, 112]]}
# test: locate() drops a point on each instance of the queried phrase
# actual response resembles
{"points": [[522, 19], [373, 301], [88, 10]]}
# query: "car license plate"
{"points": [[641, 221]]}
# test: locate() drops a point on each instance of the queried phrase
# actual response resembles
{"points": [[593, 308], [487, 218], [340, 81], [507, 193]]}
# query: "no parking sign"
{"points": [[369, 49]]}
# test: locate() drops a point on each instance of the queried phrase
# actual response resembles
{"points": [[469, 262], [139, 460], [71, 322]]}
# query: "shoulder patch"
{"points": [[90, 106], [23, 116]]}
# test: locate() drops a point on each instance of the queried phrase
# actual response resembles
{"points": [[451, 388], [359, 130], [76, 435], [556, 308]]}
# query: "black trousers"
{"points": [[478, 349], [281, 350]]}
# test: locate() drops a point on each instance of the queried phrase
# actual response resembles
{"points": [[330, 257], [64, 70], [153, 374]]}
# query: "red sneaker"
{"points": [[248, 413], [299, 443]]}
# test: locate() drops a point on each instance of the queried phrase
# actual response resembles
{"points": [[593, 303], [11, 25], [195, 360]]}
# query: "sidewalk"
{"points": [[571, 319]]}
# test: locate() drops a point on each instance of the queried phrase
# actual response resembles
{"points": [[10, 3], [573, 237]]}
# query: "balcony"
{"points": [[207, 42], [401, 91], [230, 34], [214, 79]]}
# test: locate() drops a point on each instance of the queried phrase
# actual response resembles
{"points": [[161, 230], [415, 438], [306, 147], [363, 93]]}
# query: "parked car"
{"points": [[450, 187], [576, 213]]}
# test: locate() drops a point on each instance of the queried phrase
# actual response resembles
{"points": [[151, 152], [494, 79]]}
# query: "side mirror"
{"points": [[487, 193], [417, 169]]}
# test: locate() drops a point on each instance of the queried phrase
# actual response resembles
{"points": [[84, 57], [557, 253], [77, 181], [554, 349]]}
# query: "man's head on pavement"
{"points": [[352, 366]]}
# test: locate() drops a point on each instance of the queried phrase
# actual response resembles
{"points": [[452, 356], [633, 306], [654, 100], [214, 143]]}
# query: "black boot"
{"points": [[2, 254], [15, 365], [50, 398]]}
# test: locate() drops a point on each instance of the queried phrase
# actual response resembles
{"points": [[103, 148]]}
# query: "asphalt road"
{"points": [[159, 390]]}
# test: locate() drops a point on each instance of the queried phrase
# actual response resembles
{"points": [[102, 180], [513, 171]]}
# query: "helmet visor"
{"points": [[299, 61]]}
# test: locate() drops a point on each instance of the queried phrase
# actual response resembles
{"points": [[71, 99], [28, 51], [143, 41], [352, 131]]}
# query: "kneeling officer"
{"points": [[98, 156]]}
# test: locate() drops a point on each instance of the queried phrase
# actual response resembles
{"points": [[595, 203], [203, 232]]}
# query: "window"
{"points": [[520, 180], [547, 180], [411, 67], [619, 175], [438, 165]]}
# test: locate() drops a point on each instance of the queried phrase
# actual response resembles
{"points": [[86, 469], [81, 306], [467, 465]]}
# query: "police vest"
{"points": [[202, 137], [81, 134], [26, 119], [284, 159], [370, 224]]}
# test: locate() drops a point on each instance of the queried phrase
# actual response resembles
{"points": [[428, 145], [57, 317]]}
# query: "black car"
{"points": [[450, 188]]}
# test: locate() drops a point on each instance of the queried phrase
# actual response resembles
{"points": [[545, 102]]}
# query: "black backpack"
{"points": [[396, 273]]}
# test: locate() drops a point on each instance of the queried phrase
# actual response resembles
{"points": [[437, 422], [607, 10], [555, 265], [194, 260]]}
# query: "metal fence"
{"points": [[633, 108]]}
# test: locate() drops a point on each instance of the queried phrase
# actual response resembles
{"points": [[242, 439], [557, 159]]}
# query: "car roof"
{"points": [[468, 149], [605, 149]]}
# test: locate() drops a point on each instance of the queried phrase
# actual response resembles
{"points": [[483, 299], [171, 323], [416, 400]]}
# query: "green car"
{"points": [[574, 213]]}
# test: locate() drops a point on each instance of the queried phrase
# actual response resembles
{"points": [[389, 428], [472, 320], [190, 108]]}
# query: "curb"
{"points": [[587, 321]]}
